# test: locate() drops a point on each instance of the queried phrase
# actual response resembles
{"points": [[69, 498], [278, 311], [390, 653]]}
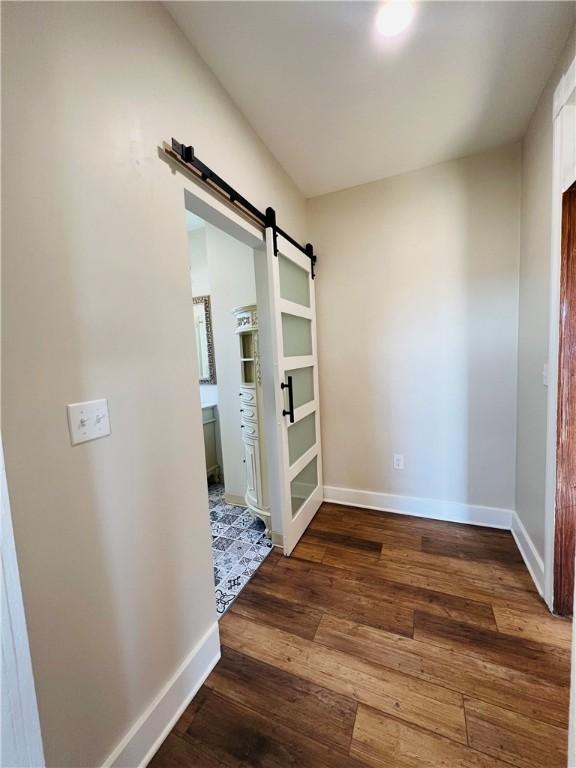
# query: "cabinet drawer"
{"points": [[250, 428], [248, 395], [249, 412]]}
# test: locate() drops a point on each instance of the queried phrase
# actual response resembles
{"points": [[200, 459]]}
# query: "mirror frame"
{"points": [[205, 300]]}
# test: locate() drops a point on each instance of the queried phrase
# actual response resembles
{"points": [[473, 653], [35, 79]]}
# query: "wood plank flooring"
{"points": [[384, 641]]}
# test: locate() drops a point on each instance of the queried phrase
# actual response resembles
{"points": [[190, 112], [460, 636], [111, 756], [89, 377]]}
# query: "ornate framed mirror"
{"points": [[204, 340]]}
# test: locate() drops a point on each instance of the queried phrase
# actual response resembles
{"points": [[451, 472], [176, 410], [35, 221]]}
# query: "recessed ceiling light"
{"points": [[394, 17]]}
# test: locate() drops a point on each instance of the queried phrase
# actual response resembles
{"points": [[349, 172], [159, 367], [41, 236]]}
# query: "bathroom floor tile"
{"points": [[220, 529], [250, 535], [245, 520], [222, 543], [228, 518], [239, 546]]}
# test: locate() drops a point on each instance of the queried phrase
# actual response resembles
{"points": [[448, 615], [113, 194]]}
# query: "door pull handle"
{"points": [[290, 411]]}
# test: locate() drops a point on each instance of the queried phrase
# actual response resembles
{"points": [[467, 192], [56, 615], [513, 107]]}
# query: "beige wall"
{"points": [[417, 316], [112, 536], [536, 234]]}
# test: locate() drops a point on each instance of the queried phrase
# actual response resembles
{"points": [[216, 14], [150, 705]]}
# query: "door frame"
{"points": [[21, 737], [563, 177], [218, 212], [564, 528]]}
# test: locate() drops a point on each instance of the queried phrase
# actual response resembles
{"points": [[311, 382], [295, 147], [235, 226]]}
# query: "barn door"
{"points": [[293, 317]]}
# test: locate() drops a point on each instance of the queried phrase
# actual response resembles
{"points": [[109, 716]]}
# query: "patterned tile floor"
{"points": [[239, 545]]}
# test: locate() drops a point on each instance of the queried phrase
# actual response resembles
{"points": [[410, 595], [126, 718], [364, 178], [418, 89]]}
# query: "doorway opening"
{"points": [[225, 309], [565, 521], [275, 370]]}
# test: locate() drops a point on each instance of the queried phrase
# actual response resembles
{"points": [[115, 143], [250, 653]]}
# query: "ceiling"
{"points": [[339, 106]]}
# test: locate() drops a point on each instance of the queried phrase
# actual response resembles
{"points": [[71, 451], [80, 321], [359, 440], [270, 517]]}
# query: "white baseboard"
{"points": [[530, 555], [142, 741], [434, 509]]}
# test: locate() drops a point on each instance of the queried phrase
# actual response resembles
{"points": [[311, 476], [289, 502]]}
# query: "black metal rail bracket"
{"points": [[185, 154], [271, 222]]}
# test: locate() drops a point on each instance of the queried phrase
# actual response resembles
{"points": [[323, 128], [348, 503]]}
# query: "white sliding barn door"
{"points": [[293, 320]]}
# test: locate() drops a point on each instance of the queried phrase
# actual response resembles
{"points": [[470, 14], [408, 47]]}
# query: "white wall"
{"points": [[417, 314], [199, 277], [208, 394], [112, 536], [536, 234], [223, 268]]}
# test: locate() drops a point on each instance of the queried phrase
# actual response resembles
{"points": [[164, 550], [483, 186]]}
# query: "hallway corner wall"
{"points": [[418, 321]]}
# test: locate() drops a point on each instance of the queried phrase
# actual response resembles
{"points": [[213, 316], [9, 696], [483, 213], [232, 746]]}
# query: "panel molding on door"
{"points": [[295, 349]]}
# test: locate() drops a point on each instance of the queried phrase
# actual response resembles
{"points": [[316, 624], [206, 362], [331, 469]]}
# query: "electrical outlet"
{"points": [[398, 461]]}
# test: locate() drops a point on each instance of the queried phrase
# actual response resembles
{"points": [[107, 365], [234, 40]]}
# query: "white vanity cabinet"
{"points": [[251, 409], [212, 442]]}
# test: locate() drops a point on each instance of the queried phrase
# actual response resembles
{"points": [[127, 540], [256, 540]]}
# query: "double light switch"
{"points": [[88, 421]]}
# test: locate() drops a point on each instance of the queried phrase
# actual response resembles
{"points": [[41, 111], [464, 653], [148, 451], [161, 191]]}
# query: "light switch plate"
{"points": [[88, 421]]}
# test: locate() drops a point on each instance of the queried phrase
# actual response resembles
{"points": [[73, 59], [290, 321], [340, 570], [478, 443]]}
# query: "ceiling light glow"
{"points": [[394, 17]]}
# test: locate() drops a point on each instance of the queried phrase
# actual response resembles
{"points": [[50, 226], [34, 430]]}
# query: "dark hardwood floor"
{"points": [[384, 641]]}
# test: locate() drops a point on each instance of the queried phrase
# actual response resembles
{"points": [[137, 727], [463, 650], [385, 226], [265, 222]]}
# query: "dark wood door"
{"points": [[565, 533]]}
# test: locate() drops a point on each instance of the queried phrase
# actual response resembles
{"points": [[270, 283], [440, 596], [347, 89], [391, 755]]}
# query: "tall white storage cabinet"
{"points": [[251, 408]]}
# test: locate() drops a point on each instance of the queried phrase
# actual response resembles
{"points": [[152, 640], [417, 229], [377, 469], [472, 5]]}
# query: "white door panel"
{"points": [[293, 317]]}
